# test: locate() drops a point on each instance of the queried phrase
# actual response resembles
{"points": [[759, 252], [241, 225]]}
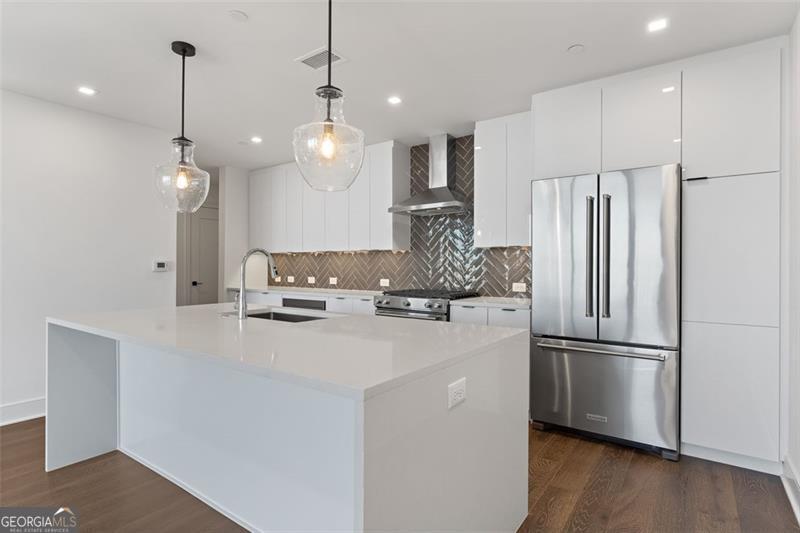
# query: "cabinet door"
{"points": [[363, 306], [642, 122], [380, 196], [358, 209], [339, 304], [731, 250], [566, 132], [731, 116], [294, 208], [313, 219], [277, 210], [259, 207], [268, 298], [509, 317], [519, 176], [469, 315], [336, 216], [490, 183], [730, 388]]}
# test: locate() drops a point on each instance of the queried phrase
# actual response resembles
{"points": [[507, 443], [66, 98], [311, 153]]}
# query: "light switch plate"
{"points": [[290, 279], [519, 287], [312, 280], [332, 281], [456, 392], [160, 265], [384, 282]]}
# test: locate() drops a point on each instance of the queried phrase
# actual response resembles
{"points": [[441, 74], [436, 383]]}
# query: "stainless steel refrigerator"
{"points": [[605, 323]]}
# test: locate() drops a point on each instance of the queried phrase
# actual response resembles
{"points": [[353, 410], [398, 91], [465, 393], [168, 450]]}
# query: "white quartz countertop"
{"points": [[309, 290], [353, 355], [493, 301]]}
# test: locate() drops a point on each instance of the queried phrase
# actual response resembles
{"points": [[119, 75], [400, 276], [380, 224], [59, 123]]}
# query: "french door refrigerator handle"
{"points": [[606, 255], [633, 355], [589, 256]]}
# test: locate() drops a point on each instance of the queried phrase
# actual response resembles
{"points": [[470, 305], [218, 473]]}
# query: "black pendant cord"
{"points": [[330, 54], [183, 91]]}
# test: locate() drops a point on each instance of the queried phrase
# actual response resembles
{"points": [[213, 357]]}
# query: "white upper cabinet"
{"points": [[731, 116], [731, 250], [336, 217], [642, 121], [520, 174], [566, 132], [358, 209], [277, 210], [259, 207], [313, 219], [490, 182], [502, 181], [389, 174], [294, 208]]}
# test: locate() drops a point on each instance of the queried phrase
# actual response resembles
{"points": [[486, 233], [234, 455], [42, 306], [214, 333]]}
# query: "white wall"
{"points": [[81, 223]]}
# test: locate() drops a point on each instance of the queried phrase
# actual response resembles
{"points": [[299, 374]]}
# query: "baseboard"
{"points": [[734, 459], [791, 483], [197, 494], [11, 413]]}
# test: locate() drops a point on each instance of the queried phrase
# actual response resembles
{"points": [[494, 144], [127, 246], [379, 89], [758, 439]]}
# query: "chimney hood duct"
{"points": [[438, 198]]}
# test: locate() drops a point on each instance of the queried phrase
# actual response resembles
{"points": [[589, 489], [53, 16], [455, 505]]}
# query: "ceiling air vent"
{"points": [[319, 58]]}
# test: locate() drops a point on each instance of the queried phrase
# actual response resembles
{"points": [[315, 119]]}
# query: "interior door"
{"points": [[640, 256], [203, 255], [563, 256]]}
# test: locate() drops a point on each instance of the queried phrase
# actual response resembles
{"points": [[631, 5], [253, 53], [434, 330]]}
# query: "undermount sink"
{"points": [[283, 317]]}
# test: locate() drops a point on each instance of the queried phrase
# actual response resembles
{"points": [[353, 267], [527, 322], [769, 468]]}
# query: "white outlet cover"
{"points": [[456, 392], [384, 282], [312, 280], [290, 279], [277, 279], [332, 281], [519, 287]]}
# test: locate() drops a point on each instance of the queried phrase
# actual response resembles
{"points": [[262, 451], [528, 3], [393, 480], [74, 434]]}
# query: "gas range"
{"points": [[422, 304]]}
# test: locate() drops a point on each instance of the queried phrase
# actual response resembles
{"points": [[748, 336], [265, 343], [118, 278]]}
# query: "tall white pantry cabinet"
{"points": [[718, 115]]}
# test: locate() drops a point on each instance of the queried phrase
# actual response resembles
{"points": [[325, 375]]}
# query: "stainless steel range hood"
{"points": [[438, 198]]}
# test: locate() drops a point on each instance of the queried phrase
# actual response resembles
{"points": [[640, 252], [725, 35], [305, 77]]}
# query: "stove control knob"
{"points": [[428, 305], [407, 303], [437, 306]]}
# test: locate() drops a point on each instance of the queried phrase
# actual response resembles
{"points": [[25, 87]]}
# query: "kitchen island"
{"points": [[343, 423]]}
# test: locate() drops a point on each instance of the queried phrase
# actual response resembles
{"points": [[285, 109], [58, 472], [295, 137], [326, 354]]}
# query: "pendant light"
{"points": [[182, 185], [328, 151]]}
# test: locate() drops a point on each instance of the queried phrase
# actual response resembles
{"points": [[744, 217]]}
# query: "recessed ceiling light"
{"points": [[668, 89], [479, 148], [576, 48], [238, 15], [88, 91], [676, 140], [657, 25], [255, 140], [394, 100]]}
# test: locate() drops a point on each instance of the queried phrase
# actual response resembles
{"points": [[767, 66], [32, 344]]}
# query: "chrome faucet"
{"points": [[242, 289]]}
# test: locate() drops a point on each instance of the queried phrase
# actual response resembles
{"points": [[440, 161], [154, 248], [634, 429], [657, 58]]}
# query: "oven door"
{"points": [[410, 314]]}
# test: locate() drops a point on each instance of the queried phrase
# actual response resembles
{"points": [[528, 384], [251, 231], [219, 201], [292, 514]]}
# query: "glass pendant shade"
{"points": [[182, 185], [328, 151]]}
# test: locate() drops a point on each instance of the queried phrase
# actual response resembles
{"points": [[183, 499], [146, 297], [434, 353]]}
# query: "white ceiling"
{"points": [[451, 62]]}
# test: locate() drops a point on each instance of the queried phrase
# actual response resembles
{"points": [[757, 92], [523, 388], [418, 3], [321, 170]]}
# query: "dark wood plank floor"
{"points": [[575, 485], [578, 484]]}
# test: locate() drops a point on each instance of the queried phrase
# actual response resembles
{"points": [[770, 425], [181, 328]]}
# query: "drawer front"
{"points": [[264, 298], [339, 304], [469, 315], [510, 317]]}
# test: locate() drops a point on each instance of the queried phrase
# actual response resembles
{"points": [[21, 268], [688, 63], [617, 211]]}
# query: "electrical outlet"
{"points": [[384, 282], [277, 279], [456, 392], [519, 287], [311, 280], [290, 279], [332, 281]]}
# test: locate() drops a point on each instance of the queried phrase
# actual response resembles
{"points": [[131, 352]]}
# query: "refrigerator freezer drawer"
{"points": [[616, 391]]}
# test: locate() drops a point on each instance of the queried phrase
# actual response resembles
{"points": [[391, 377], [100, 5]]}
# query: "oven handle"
{"points": [[383, 312]]}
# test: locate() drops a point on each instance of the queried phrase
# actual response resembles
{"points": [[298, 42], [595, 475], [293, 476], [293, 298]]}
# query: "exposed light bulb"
{"points": [[327, 148], [182, 181]]}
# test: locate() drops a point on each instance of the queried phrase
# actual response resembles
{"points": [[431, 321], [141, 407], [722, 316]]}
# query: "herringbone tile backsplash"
{"points": [[442, 254]]}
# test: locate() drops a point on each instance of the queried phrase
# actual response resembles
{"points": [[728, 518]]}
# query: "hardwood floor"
{"points": [[575, 485]]}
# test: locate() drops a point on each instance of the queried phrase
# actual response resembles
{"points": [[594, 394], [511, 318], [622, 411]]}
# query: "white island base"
{"points": [[280, 439]]}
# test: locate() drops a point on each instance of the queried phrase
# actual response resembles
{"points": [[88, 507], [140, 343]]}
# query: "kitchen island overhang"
{"points": [[338, 424]]}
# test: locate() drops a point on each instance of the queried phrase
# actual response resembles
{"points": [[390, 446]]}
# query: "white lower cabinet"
{"points": [[339, 304], [468, 314], [509, 317], [363, 306], [269, 298], [730, 388]]}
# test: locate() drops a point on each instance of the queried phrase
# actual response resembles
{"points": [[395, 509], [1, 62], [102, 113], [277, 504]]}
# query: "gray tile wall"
{"points": [[442, 252]]}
